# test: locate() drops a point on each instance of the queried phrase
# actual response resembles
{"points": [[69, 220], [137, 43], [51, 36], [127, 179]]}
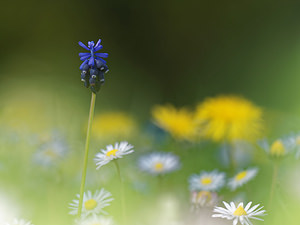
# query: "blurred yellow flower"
{"points": [[229, 118], [179, 123], [113, 125], [277, 149], [28, 115]]}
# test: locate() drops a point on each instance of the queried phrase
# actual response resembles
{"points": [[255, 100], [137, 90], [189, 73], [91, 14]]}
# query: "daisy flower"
{"points": [[112, 152], [207, 181], [50, 153], [179, 123], [92, 203], [203, 199], [96, 220], [159, 163], [20, 222], [278, 148], [241, 178], [239, 213], [229, 118]]}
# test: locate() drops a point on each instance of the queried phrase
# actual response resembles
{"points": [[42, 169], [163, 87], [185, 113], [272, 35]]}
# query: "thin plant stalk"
{"points": [[122, 192], [230, 148], [160, 182], [87, 144], [274, 183]]}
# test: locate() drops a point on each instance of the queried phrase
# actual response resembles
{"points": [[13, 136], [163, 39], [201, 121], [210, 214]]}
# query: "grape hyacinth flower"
{"points": [[93, 66], [92, 74]]}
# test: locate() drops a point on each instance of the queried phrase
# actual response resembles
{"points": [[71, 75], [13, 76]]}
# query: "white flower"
{"points": [[96, 220], [159, 163], [241, 178], [278, 148], [203, 199], [92, 203], [207, 181], [20, 222], [50, 152], [112, 152], [239, 213]]}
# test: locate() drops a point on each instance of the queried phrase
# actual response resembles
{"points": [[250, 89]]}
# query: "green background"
{"points": [[159, 51]]}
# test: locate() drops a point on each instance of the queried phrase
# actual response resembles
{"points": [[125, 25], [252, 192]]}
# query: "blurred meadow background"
{"points": [[176, 53]]}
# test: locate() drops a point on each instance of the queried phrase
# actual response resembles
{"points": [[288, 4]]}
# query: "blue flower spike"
{"points": [[94, 66]]}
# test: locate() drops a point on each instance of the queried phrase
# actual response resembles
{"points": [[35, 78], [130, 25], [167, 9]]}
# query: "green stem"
{"points": [[274, 183], [231, 155], [87, 144], [122, 192], [160, 182]]}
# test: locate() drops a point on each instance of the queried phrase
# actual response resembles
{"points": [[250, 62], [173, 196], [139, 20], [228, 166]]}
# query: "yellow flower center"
{"points": [[206, 180], [158, 167], [240, 211], [277, 148], [90, 204], [241, 175], [112, 152], [50, 153], [204, 194]]}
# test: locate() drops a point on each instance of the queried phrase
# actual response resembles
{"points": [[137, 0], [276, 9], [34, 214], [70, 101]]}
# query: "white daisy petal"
{"points": [[248, 206], [256, 218], [227, 205], [233, 208], [235, 221], [253, 208]]}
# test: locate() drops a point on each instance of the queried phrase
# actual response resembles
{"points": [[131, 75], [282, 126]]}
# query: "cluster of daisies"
{"points": [[213, 181], [155, 163], [230, 125], [93, 203], [204, 188]]}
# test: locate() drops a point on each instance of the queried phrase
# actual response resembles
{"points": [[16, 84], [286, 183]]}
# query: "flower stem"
{"points": [[87, 144], [274, 183], [160, 182], [122, 192], [231, 156]]}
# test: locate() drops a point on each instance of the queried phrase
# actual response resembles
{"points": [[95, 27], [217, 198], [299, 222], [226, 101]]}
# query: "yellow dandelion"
{"points": [[229, 118], [113, 125], [179, 123]]}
